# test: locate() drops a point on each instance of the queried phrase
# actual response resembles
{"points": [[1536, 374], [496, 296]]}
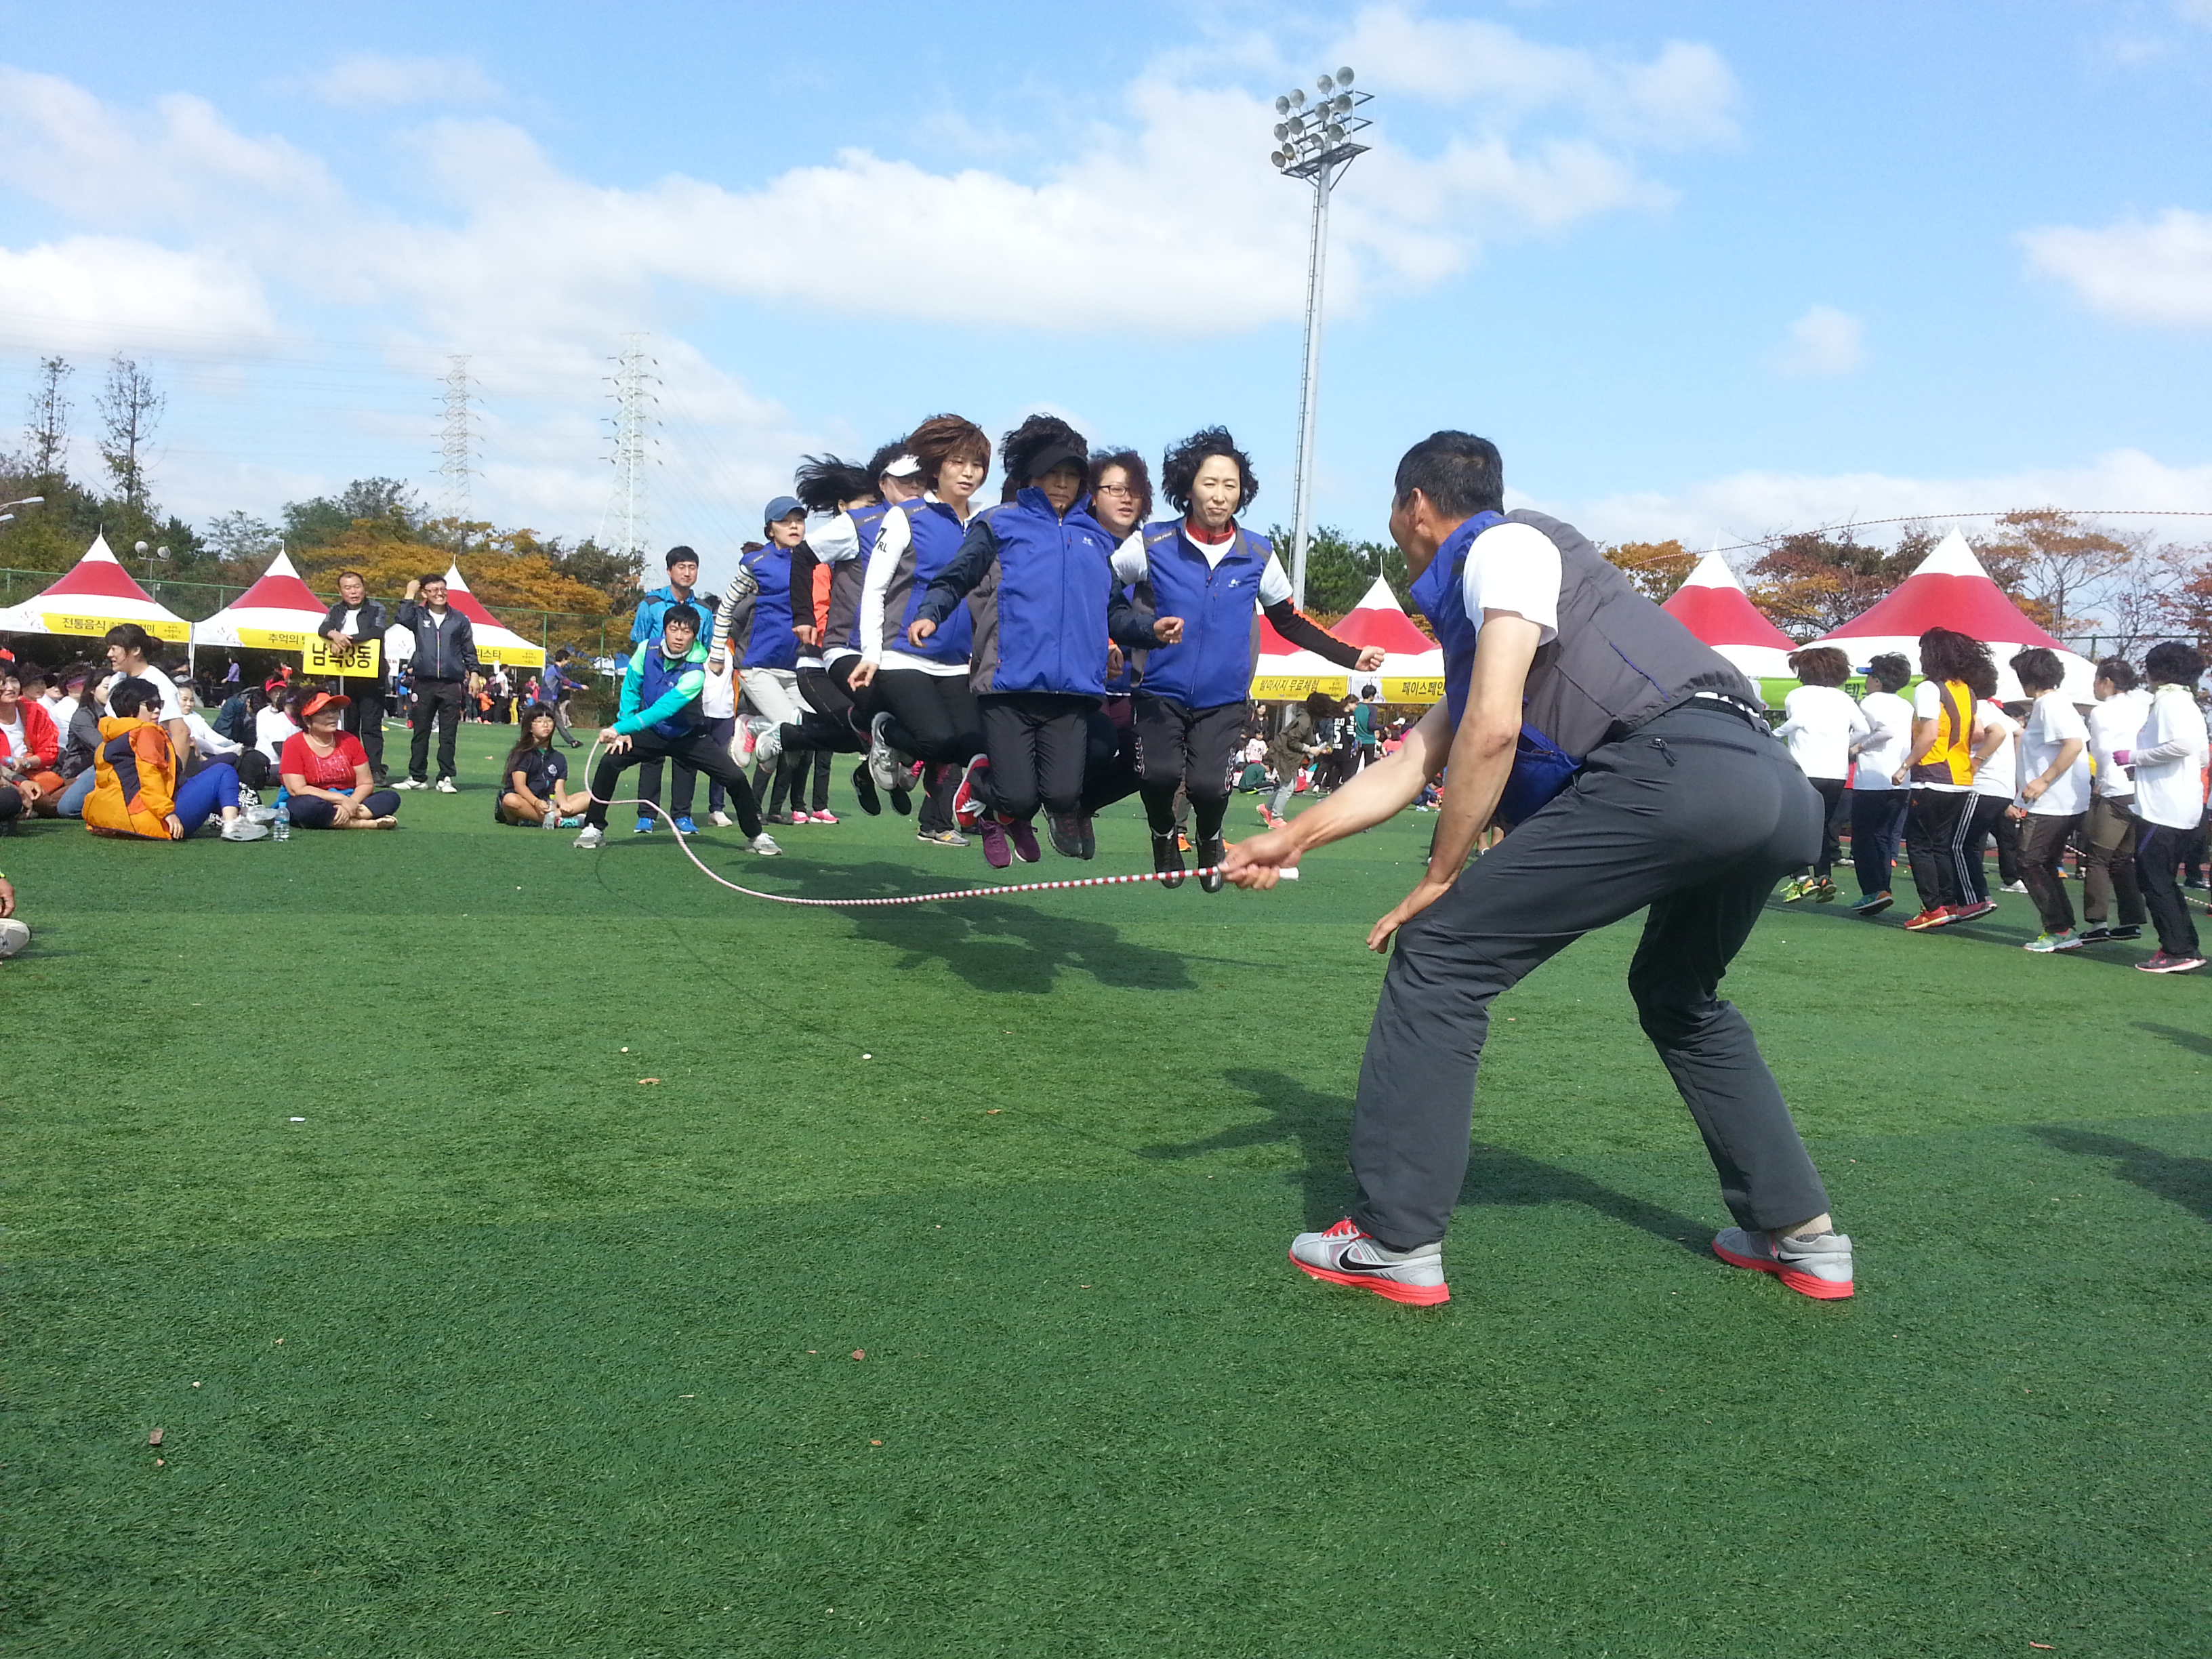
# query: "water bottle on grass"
{"points": [[281, 829]]}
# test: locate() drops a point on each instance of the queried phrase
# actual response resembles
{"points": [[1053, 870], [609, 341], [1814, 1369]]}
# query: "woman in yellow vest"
{"points": [[1941, 769]]}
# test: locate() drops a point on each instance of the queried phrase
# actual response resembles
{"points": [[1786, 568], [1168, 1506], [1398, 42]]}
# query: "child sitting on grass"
{"points": [[536, 772]]}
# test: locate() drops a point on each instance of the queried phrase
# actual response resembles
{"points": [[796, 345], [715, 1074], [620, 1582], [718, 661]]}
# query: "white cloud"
{"points": [[1746, 506], [2133, 271], [98, 294], [1823, 340], [368, 80], [1684, 96]]}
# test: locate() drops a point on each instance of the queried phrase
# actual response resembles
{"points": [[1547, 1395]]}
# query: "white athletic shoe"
{"points": [[1346, 1256], [411, 783], [719, 820], [768, 748], [447, 787], [244, 829], [882, 760], [14, 937], [741, 744], [765, 844], [592, 835]]}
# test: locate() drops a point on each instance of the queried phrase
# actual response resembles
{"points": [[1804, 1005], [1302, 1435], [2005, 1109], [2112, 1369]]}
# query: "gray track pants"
{"points": [[1695, 815]]}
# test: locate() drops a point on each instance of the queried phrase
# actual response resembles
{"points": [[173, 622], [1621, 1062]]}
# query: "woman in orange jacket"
{"points": [[136, 794]]}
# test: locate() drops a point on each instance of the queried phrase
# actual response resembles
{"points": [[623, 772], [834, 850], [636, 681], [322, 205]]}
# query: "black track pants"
{"points": [[1935, 828], [1038, 742], [1695, 815], [1187, 748], [699, 752]]}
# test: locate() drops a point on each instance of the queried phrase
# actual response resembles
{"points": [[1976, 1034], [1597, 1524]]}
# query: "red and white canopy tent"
{"points": [[496, 641], [1414, 671], [1713, 604], [277, 613], [94, 595], [1950, 589], [1285, 673]]}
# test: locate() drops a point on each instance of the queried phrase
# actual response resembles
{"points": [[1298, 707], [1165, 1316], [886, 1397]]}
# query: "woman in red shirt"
{"points": [[327, 782]]}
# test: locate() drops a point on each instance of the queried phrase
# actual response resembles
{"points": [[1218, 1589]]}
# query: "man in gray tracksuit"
{"points": [[1633, 767]]}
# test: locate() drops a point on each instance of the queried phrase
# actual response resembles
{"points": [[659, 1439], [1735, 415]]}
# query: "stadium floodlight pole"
{"points": [[27, 501], [1315, 144]]}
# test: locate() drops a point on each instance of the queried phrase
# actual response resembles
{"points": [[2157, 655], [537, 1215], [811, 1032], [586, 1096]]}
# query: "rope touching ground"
{"points": [[683, 842]]}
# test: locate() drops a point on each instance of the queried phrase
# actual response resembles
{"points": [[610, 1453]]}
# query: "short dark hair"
{"points": [[2119, 671], [131, 637], [130, 694], [437, 576], [356, 574], [1461, 474], [1891, 672], [2038, 669], [1019, 448], [1179, 466], [1103, 461], [1820, 664], [2174, 664], [1947, 654], [680, 613], [679, 555], [943, 438]]}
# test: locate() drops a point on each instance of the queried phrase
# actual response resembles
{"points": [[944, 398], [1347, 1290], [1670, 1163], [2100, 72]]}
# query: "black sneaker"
{"points": [[1167, 856], [1212, 853], [1089, 834], [1067, 833], [2110, 935], [865, 787], [902, 801]]}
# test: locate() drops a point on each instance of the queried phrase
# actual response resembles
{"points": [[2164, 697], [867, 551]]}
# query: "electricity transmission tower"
{"points": [[457, 442], [633, 422]]}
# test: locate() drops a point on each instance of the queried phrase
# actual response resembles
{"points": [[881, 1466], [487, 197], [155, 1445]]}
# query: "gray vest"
{"points": [[1619, 660]]}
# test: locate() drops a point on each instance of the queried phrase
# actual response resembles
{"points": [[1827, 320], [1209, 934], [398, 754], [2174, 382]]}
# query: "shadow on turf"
{"points": [[1321, 1125], [2170, 1175], [994, 944]]}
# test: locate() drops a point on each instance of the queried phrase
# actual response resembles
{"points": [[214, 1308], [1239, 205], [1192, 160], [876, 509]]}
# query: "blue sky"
{"points": [[1708, 271]]}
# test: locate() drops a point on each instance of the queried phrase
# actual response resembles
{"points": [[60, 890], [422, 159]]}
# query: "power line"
{"points": [[457, 443], [633, 423]]}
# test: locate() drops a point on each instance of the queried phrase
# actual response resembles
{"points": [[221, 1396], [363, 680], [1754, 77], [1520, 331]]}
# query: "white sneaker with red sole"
{"points": [[1820, 1266], [967, 800], [1344, 1256]]}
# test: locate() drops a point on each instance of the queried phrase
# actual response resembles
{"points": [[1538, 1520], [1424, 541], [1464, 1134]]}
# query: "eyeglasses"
{"points": [[1114, 489]]}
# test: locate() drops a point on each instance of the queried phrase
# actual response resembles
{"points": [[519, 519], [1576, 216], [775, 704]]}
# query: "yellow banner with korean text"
{"points": [[74, 622], [364, 662]]}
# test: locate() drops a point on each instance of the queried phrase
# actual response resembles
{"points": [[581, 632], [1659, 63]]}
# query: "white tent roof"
{"points": [[496, 641], [277, 613], [91, 596]]}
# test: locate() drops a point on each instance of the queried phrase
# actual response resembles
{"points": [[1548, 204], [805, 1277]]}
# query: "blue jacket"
{"points": [[937, 533], [646, 625], [1213, 663], [662, 695], [764, 639], [847, 579], [1038, 586]]}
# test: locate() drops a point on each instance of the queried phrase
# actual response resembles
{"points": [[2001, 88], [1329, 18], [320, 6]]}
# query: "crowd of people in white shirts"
{"points": [[2118, 784]]}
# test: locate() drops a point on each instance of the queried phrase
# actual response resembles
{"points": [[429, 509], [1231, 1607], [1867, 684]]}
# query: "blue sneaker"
{"points": [[644, 826], [685, 827]]}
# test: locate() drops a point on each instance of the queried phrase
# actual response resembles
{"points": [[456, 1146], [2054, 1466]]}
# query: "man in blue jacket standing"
{"points": [[660, 719], [445, 656]]}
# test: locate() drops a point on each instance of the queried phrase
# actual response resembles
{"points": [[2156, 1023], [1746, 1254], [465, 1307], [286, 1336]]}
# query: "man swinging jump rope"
{"points": [[1637, 770]]}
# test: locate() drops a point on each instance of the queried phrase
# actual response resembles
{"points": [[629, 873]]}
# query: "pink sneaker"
{"points": [[825, 817]]}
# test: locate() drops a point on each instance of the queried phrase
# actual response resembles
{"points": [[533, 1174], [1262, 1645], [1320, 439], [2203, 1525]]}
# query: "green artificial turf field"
{"points": [[933, 1299]]}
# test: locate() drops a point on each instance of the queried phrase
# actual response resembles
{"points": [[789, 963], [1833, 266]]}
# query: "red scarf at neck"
{"points": [[1190, 529]]}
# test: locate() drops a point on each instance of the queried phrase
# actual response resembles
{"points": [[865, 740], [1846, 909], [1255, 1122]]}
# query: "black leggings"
{"points": [[314, 813], [1110, 768], [933, 719], [1187, 748], [1983, 816], [1830, 791], [833, 726], [1038, 742]]}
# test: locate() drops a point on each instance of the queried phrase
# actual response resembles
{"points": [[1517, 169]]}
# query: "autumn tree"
{"points": [[1655, 570], [1810, 583], [2054, 568]]}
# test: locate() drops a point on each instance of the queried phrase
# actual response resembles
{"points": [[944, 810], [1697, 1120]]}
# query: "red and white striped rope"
{"points": [[683, 842]]}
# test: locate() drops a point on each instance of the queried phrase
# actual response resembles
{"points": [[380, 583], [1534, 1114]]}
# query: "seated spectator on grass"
{"points": [[536, 773], [212, 743], [131, 651], [272, 726], [137, 796], [328, 783], [29, 747]]}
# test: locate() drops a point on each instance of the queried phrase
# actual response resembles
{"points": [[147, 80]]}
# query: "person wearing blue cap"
{"points": [[759, 637]]}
